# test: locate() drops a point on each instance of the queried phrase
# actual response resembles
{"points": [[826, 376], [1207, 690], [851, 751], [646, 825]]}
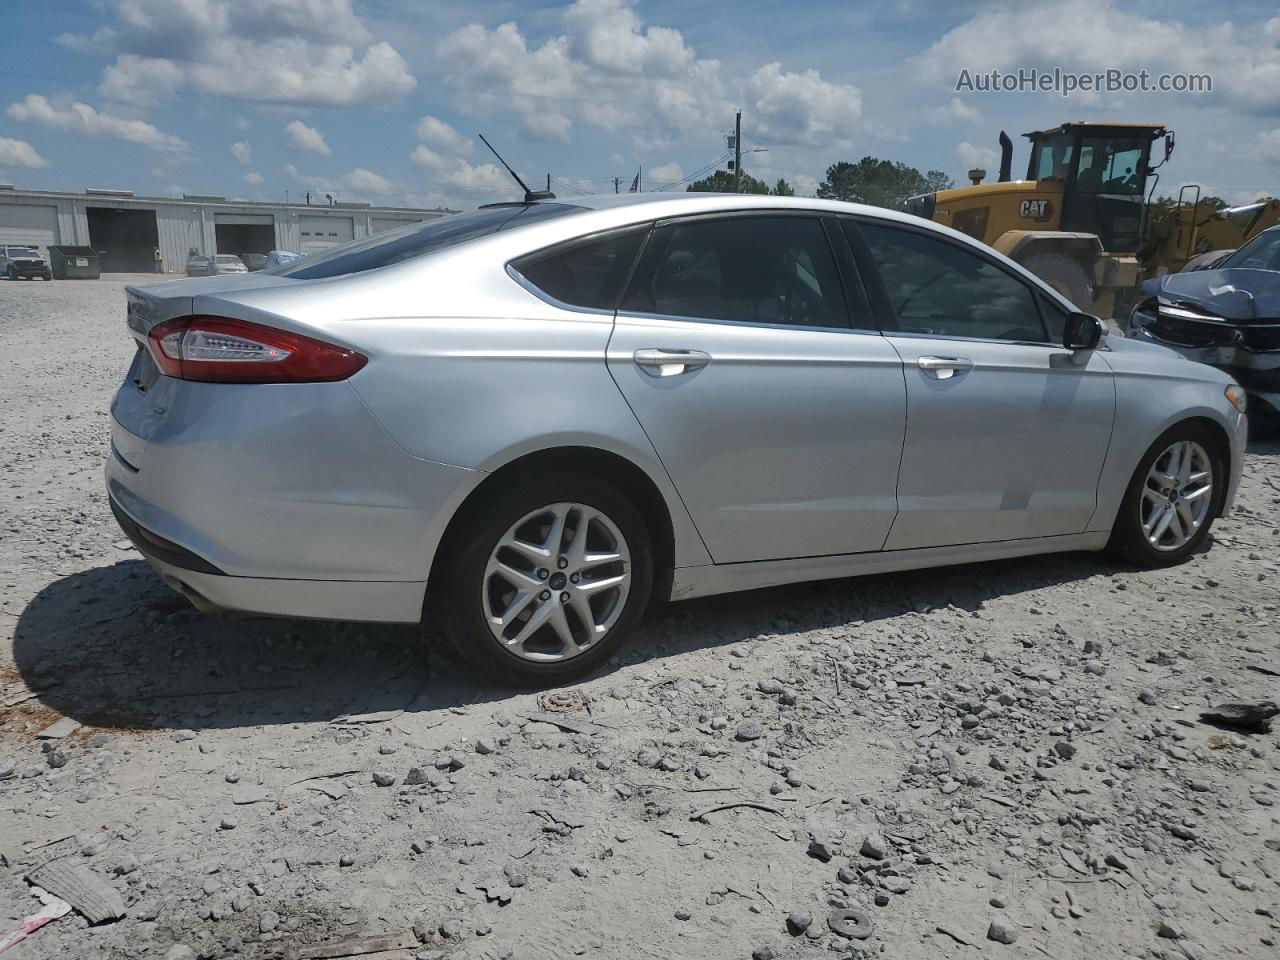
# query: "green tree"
{"points": [[782, 189], [881, 183], [937, 180], [722, 181]]}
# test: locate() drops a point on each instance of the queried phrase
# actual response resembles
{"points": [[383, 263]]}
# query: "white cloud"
{"points": [[956, 111], [606, 70], [367, 181], [970, 155], [242, 151], [19, 153], [1095, 35], [254, 179], [434, 132], [140, 81], [307, 138], [1266, 146], [664, 173], [424, 156], [82, 118], [802, 108], [282, 51], [616, 159]]}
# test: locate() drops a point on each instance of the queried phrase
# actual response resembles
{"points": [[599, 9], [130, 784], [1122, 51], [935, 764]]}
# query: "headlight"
{"points": [[1236, 397]]}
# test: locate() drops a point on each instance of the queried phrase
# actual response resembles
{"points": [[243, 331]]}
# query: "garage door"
{"points": [[319, 233], [29, 223]]}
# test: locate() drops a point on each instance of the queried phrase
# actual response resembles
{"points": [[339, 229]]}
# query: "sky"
{"points": [[382, 100]]}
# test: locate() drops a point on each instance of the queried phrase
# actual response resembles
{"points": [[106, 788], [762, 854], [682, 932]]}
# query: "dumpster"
{"points": [[74, 263]]}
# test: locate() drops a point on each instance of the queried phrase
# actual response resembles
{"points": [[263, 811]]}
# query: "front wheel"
{"points": [[550, 576], [1172, 499]]}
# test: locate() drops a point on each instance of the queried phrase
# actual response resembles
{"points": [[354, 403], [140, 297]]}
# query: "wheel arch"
{"points": [[624, 473]]}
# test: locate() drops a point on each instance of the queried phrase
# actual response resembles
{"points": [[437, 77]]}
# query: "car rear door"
{"points": [[776, 408], [1007, 431]]}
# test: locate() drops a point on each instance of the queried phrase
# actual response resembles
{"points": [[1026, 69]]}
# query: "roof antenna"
{"points": [[529, 195]]}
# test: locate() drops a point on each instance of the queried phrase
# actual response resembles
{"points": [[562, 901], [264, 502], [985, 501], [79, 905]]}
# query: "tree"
{"points": [[722, 182], [1162, 206], [782, 189], [937, 180], [882, 183]]}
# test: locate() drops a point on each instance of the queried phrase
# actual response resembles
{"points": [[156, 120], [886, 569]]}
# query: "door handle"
{"points": [[670, 363], [944, 368]]}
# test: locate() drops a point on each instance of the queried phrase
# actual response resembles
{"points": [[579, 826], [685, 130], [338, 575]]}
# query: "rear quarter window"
{"points": [[587, 274]]}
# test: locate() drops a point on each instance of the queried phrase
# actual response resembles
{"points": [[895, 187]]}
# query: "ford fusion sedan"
{"points": [[1228, 317], [520, 425]]}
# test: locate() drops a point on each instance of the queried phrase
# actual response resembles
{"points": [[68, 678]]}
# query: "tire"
{"points": [[1064, 275], [470, 590], [1129, 539]]}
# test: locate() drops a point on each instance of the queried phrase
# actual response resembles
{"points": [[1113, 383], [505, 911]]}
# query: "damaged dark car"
{"points": [[1227, 317]]}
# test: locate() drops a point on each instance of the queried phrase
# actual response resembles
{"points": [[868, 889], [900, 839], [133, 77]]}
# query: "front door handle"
{"points": [[943, 368], [670, 363]]}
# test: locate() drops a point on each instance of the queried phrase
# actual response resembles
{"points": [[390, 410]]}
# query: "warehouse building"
{"points": [[126, 230]]}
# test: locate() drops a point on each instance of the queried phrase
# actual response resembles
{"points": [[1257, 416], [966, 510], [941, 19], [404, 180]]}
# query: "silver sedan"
{"points": [[519, 425]]}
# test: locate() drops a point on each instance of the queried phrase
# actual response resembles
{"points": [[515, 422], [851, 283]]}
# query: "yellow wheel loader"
{"points": [[1077, 220], [1190, 236]]}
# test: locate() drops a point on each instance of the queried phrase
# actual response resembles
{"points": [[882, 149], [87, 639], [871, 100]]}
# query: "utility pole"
{"points": [[737, 152], [616, 182]]}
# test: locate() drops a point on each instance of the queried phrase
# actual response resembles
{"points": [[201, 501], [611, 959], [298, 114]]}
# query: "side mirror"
{"points": [[1083, 331]]}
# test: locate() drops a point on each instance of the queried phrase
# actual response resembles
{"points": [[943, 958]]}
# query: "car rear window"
{"points": [[418, 239], [228, 258]]}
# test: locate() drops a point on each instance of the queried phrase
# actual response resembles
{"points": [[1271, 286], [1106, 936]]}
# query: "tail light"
{"points": [[225, 350]]}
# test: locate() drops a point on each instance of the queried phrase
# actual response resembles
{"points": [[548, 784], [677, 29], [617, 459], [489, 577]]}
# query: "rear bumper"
{"points": [[373, 601], [278, 499]]}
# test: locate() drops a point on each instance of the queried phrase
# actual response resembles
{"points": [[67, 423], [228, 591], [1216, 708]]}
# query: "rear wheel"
{"points": [[1172, 500], [548, 579], [1065, 275]]}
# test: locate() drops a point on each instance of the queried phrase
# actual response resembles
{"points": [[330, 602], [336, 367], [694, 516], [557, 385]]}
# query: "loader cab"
{"points": [[1103, 168]]}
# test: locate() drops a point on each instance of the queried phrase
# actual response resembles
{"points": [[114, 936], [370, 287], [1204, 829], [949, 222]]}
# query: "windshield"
{"points": [[1260, 253], [23, 252], [418, 239], [1110, 165], [228, 258]]}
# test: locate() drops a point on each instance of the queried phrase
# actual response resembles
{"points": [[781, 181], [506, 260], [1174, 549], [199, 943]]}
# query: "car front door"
{"points": [[1006, 430], [777, 411]]}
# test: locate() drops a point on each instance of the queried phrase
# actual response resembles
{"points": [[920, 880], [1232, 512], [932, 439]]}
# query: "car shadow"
{"points": [[112, 647]]}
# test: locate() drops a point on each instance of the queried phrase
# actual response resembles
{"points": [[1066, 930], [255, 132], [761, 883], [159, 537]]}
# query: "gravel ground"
{"points": [[1002, 760]]}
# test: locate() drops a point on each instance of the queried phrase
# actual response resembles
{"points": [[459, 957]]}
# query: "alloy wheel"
{"points": [[556, 582], [1177, 496]]}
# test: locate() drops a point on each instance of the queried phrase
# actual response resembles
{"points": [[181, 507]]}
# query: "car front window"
{"points": [[938, 288]]}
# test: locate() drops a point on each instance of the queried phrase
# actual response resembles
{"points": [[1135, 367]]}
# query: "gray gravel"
{"points": [[957, 758]]}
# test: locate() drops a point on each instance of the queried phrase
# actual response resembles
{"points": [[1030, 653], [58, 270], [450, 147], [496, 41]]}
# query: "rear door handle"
{"points": [[943, 368], [670, 363]]}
